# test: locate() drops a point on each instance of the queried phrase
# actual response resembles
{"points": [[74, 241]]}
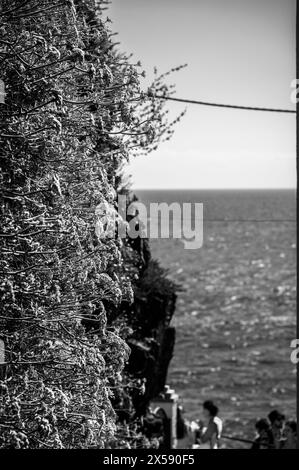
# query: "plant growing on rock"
{"points": [[73, 113]]}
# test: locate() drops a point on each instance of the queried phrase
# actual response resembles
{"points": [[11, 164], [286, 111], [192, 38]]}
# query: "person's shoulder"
{"points": [[218, 422], [216, 419]]}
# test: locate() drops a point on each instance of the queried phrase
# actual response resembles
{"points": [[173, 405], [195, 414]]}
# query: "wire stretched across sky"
{"points": [[219, 105]]}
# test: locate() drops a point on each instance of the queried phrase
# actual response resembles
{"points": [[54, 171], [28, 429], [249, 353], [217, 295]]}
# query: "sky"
{"points": [[238, 52]]}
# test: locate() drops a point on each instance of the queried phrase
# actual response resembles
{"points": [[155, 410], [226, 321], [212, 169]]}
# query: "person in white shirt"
{"points": [[209, 434]]}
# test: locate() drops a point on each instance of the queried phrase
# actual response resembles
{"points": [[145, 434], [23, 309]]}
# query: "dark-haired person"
{"points": [[264, 439], [277, 420], [289, 435], [209, 435]]}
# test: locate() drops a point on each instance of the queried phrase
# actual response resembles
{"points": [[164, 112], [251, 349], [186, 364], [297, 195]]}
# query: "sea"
{"points": [[236, 311]]}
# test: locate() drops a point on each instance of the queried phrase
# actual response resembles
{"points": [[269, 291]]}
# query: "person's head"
{"points": [[209, 409], [262, 425], [276, 419], [290, 428]]}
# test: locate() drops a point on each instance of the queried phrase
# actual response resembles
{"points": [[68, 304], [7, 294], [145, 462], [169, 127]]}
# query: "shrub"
{"points": [[73, 112]]}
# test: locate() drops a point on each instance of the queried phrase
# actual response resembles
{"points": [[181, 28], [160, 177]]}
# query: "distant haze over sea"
{"points": [[231, 204]]}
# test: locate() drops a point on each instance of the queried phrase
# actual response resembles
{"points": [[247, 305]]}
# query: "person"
{"points": [[264, 438], [209, 435], [289, 435], [276, 425]]}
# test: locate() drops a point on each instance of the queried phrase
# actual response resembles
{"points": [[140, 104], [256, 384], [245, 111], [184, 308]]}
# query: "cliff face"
{"points": [[152, 351], [152, 340]]}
